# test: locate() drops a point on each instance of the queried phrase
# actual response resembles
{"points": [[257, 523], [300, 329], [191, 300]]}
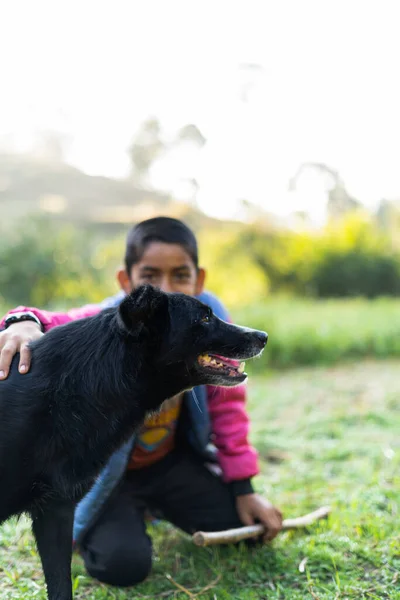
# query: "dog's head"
{"points": [[189, 342]]}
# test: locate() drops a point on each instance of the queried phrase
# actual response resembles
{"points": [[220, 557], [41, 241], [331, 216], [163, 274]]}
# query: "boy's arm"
{"points": [[52, 319], [230, 427], [238, 459], [17, 337], [230, 423]]}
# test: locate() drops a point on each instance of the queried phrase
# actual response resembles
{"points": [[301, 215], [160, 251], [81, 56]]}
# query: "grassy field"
{"points": [[325, 435], [309, 332]]}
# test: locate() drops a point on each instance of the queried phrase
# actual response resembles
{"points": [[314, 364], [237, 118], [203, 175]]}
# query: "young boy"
{"points": [[192, 463]]}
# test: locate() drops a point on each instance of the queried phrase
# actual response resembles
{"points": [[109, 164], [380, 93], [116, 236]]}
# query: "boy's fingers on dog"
{"points": [[25, 358], [16, 339], [7, 353]]}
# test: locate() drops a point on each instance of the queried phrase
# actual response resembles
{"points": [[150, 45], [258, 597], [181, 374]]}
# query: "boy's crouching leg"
{"points": [[119, 562], [117, 550]]}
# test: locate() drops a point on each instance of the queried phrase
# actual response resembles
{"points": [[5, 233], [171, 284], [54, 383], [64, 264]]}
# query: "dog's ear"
{"points": [[146, 306]]}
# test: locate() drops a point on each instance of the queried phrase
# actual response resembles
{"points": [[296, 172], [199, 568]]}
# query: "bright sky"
{"points": [[328, 90]]}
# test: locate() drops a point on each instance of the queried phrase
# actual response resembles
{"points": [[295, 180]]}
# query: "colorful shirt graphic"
{"points": [[157, 436]]}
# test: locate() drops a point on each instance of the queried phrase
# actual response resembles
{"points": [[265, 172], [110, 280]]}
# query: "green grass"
{"points": [[309, 332], [325, 435]]}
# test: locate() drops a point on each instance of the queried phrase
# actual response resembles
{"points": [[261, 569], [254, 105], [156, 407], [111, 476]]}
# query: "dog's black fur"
{"points": [[91, 384]]}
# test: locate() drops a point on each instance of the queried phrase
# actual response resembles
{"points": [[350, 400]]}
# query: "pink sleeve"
{"points": [[230, 426], [52, 319]]}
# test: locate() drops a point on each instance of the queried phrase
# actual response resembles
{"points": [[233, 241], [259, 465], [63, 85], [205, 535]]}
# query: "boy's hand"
{"points": [[16, 339], [252, 508]]}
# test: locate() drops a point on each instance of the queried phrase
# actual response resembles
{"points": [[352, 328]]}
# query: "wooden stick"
{"points": [[230, 536]]}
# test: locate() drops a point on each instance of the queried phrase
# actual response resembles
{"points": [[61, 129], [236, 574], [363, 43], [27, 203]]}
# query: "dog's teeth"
{"points": [[205, 358], [241, 367]]}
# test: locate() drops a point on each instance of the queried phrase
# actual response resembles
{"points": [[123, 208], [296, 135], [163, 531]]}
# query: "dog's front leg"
{"points": [[52, 527]]}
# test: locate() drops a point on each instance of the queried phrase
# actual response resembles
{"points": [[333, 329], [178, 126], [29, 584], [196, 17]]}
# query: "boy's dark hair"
{"points": [[159, 229]]}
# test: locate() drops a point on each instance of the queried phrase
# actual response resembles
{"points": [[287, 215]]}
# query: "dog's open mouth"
{"points": [[221, 366]]}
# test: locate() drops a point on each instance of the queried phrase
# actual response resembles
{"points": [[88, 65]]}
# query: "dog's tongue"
{"points": [[228, 361]]}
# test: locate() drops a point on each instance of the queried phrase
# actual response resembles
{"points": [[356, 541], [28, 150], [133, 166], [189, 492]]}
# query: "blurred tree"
{"points": [[147, 147], [282, 257], [339, 200], [350, 257], [48, 264], [388, 218], [356, 273], [231, 273], [151, 145], [190, 133], [43, 264]]}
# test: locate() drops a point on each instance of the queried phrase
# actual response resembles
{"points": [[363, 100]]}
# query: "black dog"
{"points": [[91, 384]]}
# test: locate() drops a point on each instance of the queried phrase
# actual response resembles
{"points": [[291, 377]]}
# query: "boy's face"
{"points": [[165, 266]]}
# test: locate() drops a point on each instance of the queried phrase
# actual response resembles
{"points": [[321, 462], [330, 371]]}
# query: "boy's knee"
{"points": [[122, 566]]}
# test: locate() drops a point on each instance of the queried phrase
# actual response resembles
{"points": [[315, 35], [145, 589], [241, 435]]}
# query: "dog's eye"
{"points": [[206, 319]]}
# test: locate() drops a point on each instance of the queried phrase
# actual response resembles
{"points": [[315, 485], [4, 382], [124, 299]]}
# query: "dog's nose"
{"points": [[262, 336]]}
